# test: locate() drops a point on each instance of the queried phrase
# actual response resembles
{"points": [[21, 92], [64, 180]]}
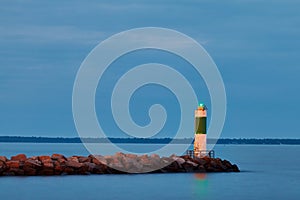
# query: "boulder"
{"points": [[83, 159], [98, 160], [119, 155], [90, 166], [155, 156], [179, 160], [200, 168], [235, 168], [200, 161], [132, 156], [73, 164], [155, 162], [173, 167], [19, 157], [13, 164], [164, 161], [83, 170], [2, 167], [187, 167], [28, 171], [46, 172], [30, 163], [213, 164], [69, 170], [145, 160], [3, 158], [16, 171], [100, 169], [132, 164], [48, 165], [58, 157], [227, 164], [115, 163], [192, 163], [73, 158], [58, 167], [44, 159]]}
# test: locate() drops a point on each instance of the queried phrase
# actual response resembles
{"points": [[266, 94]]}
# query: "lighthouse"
{"points": [[200, 131]]}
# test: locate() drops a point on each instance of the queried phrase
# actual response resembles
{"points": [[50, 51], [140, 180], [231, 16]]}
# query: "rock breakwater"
{"points": [[57, 164]]}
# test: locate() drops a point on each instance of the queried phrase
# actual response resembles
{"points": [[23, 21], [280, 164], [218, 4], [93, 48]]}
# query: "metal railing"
{"points": [[201, 154]]}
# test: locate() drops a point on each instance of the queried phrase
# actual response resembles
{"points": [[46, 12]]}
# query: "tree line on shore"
{"points": [[34, 139]]}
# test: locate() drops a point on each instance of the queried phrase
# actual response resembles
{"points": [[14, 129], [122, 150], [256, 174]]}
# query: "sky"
{"points": [[255, 44]]}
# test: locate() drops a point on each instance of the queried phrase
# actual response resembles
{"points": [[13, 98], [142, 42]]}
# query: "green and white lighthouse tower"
{"points": [[200, 130]]}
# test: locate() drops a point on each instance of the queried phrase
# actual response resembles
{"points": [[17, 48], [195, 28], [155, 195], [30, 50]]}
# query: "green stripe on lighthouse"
{"points": [[200, 125], [200, 119]]}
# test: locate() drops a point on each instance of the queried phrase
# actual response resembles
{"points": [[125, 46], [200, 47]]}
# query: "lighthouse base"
{"points": [[199, 144]]}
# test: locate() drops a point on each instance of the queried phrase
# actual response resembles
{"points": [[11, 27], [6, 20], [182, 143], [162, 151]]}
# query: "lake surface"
{"points": [[268, 172]]}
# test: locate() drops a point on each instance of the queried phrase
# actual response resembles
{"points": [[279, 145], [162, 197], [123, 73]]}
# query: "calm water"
{"points": [[268, 172]]}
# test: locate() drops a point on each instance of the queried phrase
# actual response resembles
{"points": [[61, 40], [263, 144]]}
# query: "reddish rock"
{"points": [[3, 158], [13, 164], [16, 171], [210, 169], [44, 159], [83, 170], [188, 167], [2, 167], [48, 165], [235, 168], [46, 172], [200, 161], [145, 160], [119, 154], [28, 171], [213, 164], [185, 157], [19, 157], [166, 161], [69, 170], [192, 163], [155, 156], [73, 158], [73, 164], [227, 164], [207, 159], [173, 167], [179, 160], [100, 169], [62, 161], [58, 157], [132, 156], [128, 163], [30, 163], [58, 167], [200, 168], [83, 159], [99, 160], [96, 169], [116, 163], [90, 166]]}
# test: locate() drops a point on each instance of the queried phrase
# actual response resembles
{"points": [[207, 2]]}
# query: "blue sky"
{"points": [[255, 44]]}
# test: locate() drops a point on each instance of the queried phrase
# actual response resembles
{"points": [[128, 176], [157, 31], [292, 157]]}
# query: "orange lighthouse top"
{"points": [[201, 111], [201, 107]]}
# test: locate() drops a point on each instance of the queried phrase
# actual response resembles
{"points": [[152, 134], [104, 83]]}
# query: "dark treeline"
{"points": [[143, 140], [259, 141]]}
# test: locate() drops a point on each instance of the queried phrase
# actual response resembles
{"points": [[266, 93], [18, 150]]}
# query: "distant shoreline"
{"points": [[266, 141]]}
